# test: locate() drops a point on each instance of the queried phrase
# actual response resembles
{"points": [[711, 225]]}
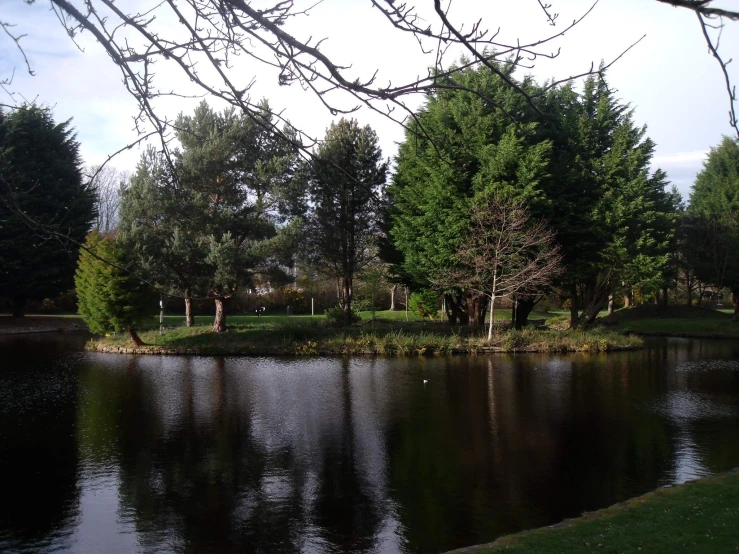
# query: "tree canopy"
{"points": [[110, 297], [217, 212], [584, 167], [45, 207], [714, 212], [345, 192]]}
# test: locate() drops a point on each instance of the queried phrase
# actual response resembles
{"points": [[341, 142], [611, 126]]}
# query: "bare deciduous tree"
{"points": [[504, 253], [107, 182]]}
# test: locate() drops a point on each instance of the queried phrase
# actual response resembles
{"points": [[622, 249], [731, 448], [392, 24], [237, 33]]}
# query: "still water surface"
{"points": [[109, 453]]}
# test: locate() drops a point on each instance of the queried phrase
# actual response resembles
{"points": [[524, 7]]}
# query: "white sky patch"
{"points": [[681, 168]]}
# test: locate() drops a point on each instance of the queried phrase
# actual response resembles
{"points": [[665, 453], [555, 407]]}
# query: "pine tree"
{"points": [[109, 297], [200, 222], [345, 192]]}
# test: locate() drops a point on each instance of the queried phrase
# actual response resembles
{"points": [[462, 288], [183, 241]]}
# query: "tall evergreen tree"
{"points": [[584, 167], [45, 207], [345, 193], [464, 143], [714, 204]]}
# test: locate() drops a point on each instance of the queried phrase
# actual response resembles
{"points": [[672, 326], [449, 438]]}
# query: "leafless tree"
{"points": [[505, 252], [107, 182]]}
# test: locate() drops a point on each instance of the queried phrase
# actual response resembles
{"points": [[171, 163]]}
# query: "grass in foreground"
{"points": [[303, 335], [695, 517], [689, 320]]}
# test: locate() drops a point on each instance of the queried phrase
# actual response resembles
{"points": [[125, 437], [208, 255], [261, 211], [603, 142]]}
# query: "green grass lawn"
{"points": [[388, 334], [687, 320], [698, 517]]}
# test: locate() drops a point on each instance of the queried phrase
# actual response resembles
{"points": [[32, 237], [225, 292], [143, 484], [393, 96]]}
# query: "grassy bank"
{"points": [[695, 517], [305, 335], [673, 320]]}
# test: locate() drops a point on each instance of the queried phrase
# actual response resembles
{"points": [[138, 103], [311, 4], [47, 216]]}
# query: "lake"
{"points": [[114, 453]]}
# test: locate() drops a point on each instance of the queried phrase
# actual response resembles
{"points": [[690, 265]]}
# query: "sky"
{"points": [[673, 84]]}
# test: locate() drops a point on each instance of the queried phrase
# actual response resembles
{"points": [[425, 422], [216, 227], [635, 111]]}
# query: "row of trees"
{"points": [[237, 203], [488, 199], [584, 168]]}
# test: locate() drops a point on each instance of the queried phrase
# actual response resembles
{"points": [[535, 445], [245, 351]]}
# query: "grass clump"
{"points": [[695, 517]]}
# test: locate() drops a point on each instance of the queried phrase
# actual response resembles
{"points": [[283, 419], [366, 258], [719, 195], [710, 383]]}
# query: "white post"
{"points": [[161, 314], [406, 303], [312, 313]]}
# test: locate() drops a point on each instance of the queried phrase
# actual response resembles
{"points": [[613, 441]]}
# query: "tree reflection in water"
{"points": [[339, 455]]}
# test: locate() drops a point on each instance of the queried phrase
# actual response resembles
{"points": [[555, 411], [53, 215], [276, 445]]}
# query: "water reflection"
{"points": [[119, 454]]}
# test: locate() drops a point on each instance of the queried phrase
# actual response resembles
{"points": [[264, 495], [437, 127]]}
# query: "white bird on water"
{"points": [[425, 381]]}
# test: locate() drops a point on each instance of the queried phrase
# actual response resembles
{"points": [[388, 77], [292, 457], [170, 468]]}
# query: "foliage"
{"points": [[504, 251], [109, 298], [585, 168], [345, 187], [336, 316], [714, 211], [423, 303], [462, 143], [217, 215], [295, 298], [45, 207]]}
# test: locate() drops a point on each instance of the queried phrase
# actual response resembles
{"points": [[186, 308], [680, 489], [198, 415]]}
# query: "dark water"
{"points": [[107, 453]]}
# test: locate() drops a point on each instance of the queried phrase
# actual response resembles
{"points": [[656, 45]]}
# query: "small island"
{"points": [[389, 334]]}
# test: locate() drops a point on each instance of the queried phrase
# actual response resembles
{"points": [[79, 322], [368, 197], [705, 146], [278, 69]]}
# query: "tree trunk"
{"points": [[392, 297], [347, 306], [492, 318], [627, 295], [524, 307], [574, 308], [597, 303], [189, 319], [19, 306], [454, 309], [476, 308], [665, 299], [135, 337], [219, 325], [610, 304], [735, 302]]}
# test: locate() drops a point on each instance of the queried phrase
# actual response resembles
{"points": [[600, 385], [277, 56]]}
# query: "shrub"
{"points": [[335, 316], [110, 298], [48, 306], [295, 298], [423, 303]]}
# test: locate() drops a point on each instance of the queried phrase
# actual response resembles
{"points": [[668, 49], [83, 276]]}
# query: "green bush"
{"points": [[48, 306], [110, 298], [335, 316], [423, 303]]}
